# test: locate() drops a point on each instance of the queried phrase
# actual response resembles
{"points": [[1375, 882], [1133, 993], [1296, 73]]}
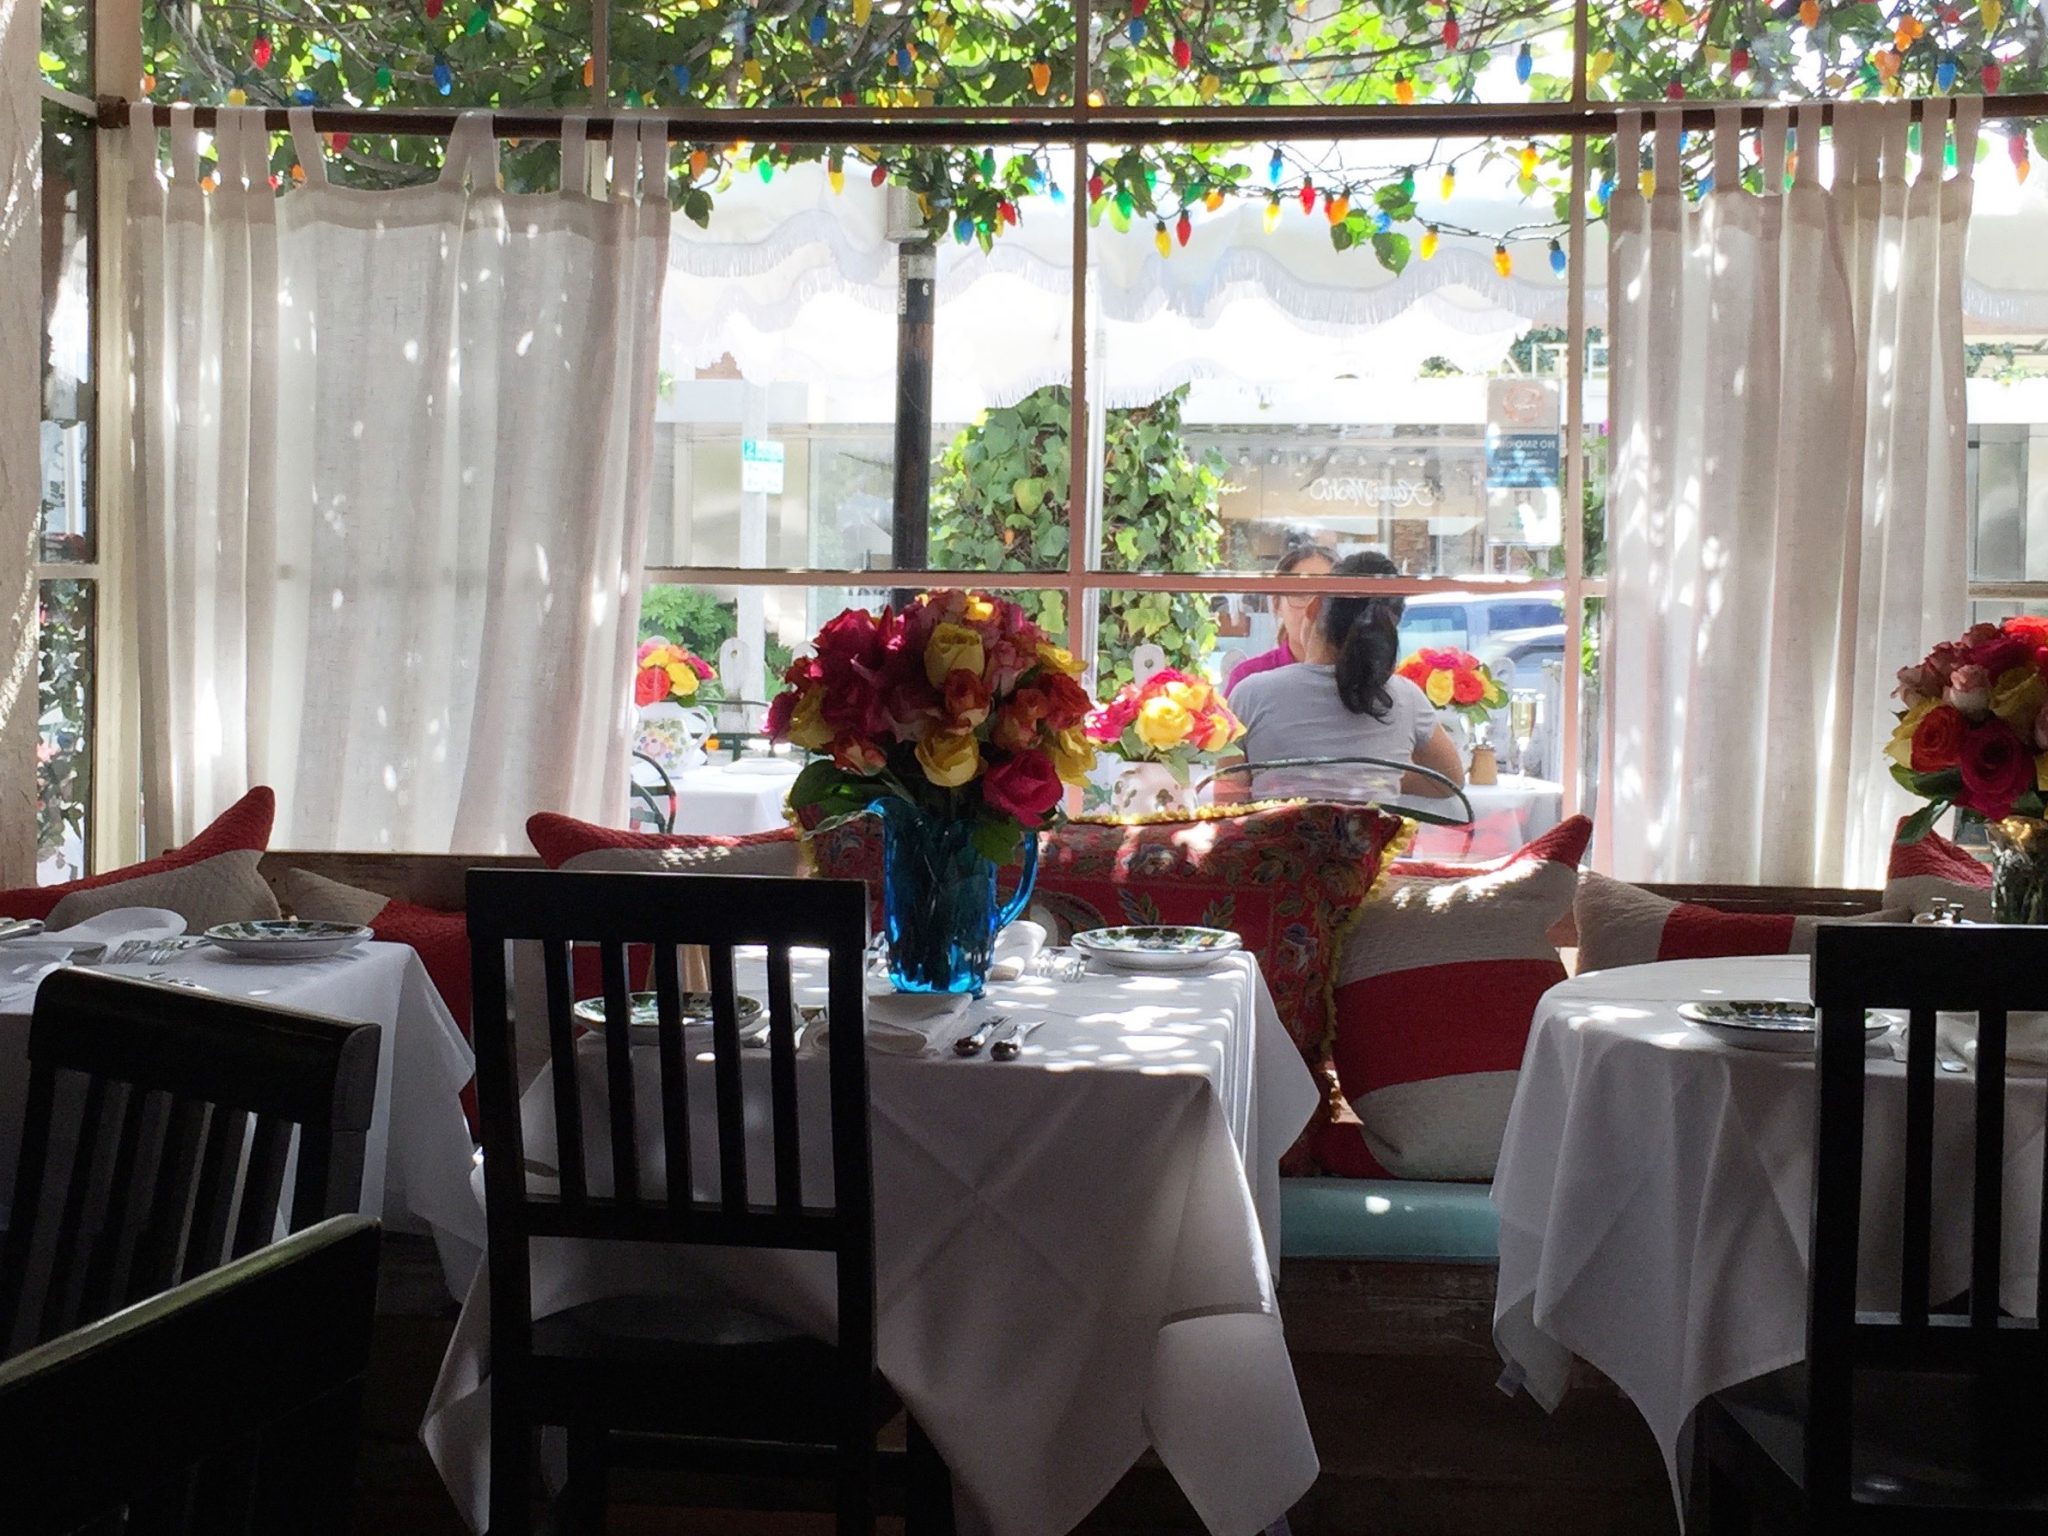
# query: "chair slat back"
{"points": [[229, 1404], [620, 913], [1922, 971], [137, 1166]]}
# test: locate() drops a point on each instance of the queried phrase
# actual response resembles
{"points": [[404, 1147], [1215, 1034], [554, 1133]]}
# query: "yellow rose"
{"points": [[952, 648], [807, 727], [1900, 748], [1073, 754], [1439, 688], [682, 678], [1223, 730], [2017, 697], [979, 609], [1189, 696], [1163, 723], [1059, 658], [950, 759]]}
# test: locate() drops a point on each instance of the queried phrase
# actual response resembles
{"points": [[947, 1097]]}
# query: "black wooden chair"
{"points": [[694, 1381], [138, 1122], [229, 1404], [1923, 1419]]}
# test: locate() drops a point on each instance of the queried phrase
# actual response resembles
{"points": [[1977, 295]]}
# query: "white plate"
{"points": [[286, 939], [1763, 1025], [1163, 947], [696, 1013]]}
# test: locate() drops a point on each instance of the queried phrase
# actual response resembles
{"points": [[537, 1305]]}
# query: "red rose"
{"points": [[651, 685], [780, 708], [2003, 654], [1466, 688], [701, 667], [1938, 739], [1025, 784], [1067, 702], [1997, 769], [852, 636], [1017, 719], [967, 699]]}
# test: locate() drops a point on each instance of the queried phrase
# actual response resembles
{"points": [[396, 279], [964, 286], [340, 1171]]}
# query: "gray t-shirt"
{"points": [[1295, 712]]}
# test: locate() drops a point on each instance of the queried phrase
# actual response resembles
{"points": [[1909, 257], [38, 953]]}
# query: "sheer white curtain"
{"points": [[394, 451], [1786, 505]]}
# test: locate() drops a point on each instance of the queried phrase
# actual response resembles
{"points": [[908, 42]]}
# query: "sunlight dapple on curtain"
{"points": [[1786, 507], [394, 450]]}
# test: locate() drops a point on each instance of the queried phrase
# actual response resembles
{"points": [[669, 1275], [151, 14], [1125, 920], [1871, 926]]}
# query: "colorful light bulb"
{"points": [[444, 77], [1183, 227], [1161, 240], [1041, 77], [1524, 64], [1449, 185], [259, 50], [1272, 216], [479, 18], [1502, 262], [1183, 53], [1452, 32], [1274, 167], [1429, 243], [680, 73], [1134, 29], [1404, 90], [1557, 260]]}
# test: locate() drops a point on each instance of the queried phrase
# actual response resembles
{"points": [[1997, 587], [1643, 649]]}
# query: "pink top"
{"points": [[1266, 661]]}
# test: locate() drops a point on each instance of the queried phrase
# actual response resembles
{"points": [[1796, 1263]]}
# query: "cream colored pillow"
{"points": [[319, 899], [226, 888]]}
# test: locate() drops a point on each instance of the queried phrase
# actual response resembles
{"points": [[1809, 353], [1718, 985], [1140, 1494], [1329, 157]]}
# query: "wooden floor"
{"points": [[1410, 1446]]}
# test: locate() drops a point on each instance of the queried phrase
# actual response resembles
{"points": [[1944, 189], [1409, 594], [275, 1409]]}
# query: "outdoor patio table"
{"points": [[731, 799], [1505, 815], [1655, 1191], [1074, 1250]]}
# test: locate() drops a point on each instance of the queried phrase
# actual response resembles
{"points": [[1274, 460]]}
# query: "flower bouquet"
{"points": [[1162, 728], [1455, 680], [669, 680], [1974, 736], [958, 722]]}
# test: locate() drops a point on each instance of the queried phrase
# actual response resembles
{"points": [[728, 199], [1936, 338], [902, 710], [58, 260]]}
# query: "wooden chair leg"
{"points": [[928, 1490], [854, 1502], [511, 1466], [585, 1497]]}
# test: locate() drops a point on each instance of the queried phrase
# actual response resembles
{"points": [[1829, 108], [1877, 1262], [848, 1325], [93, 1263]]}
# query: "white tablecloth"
{"points": [[1074, 1251], [1505, 814], [734, 798], [1655, 1191], [418, 1154]]}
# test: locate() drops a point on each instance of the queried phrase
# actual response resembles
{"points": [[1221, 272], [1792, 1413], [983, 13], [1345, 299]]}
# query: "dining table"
{"points": [[1506, 813], [418, 1155], [1655, 1189], [1075, 1249], [731, 799]]}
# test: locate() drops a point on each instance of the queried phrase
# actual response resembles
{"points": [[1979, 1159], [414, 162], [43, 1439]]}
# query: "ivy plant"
{"points": [[1000, 502]]}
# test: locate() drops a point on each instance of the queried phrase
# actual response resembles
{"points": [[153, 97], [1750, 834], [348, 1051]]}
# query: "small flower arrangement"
{"points": [[1455, 680], [669, 671], [1974, 730], [956, 703], [1172, 719]]}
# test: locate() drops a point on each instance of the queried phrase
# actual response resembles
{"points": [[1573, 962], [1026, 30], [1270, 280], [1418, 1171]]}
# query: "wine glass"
{"points": [[1522, 725]]}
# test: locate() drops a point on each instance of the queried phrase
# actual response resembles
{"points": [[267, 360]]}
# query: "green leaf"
{"points": [[1030, 493], [1341, 236], [1921, 822], [1392, 250], [998, 840]]}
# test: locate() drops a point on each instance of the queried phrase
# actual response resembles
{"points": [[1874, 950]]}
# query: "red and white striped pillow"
{"points": [[1935, 869], [1621, 924], [1439, 980]]}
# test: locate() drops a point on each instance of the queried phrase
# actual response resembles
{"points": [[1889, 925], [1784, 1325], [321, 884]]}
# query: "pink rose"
{"points": [[1025, 784], [1969, 690], [1915, 685]]}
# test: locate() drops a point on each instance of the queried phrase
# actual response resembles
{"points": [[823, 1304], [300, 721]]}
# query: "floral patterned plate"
{"points": [[1757, 1025], [1165, 948], [286, 938], [696, 1013]]}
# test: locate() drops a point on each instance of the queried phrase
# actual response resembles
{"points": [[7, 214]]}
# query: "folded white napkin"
{"points": [[2026, 1037], [119, 926], [1016, 947]]}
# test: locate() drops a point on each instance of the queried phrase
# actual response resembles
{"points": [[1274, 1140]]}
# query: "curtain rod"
{"points": [[894, 126]]}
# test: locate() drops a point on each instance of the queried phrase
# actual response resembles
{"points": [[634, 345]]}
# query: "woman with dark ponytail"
{"points": [[1344, 701]]}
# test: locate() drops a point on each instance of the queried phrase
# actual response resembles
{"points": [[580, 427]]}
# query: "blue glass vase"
{"points": [[940, 911]]}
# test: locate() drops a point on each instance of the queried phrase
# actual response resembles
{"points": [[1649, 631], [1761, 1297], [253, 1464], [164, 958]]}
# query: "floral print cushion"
{"points": [[1289, 879]]}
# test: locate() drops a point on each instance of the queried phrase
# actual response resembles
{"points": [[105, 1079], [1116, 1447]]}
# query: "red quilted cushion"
{"points": [[558, 839], [245, 824], [1288, 879], [1440, 979], [1935, 869]]}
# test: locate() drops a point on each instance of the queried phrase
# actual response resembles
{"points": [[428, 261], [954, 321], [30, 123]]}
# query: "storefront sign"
{"points": [[760, 466], [1521, 434]]}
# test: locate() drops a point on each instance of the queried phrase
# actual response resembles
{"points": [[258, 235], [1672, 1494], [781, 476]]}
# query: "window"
{"points": [[1157, 363], [69, 535]]}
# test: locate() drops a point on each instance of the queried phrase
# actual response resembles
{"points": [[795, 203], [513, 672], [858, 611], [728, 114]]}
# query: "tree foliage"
{"points": [[868, 53], [1000, 503]]}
